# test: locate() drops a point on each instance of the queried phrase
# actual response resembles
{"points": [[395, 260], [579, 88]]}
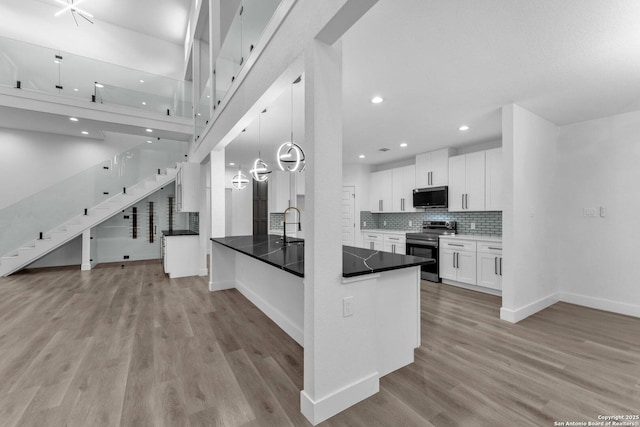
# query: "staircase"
{"points": [[76, 226]]}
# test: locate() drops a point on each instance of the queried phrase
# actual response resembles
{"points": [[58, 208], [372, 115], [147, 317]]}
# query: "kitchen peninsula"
{"points": [[270, 273]]}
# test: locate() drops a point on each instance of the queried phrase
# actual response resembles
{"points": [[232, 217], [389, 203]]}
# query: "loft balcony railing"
{"points": [[245, 31], [36, 68]]}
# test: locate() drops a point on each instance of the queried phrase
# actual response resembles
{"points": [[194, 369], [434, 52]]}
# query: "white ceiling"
{"points": [[440, 64], [162, 19]]}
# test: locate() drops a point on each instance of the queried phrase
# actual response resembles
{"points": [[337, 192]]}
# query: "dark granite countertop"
{"points": [[290, 258], [179, 233]]}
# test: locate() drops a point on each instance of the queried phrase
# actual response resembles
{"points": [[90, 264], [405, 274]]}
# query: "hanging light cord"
{"points": [[292, 113]]}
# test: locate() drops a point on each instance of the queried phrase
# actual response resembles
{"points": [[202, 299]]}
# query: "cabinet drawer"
{"points": [[371, 236], [490, 247], [395, 238], [458, 245]]}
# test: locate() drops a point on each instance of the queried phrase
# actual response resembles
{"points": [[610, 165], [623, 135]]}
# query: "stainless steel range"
{"points": [[425, 245]]}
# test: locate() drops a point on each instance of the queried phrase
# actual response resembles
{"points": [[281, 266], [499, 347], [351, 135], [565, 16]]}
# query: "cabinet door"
{"points": [[375, 194], [466, 267], [389, 247], [381, 191], [423, 167], [447, 270], [457, 182], [408, 184], [488, 270], [373, 244], [440, 168], [493, 180], [397, 180], [474, 181]]}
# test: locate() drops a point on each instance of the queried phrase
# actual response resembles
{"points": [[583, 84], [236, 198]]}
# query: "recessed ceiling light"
{"points": [[361, 156], [84, 132], [208, 96], [377, 99], [463, 128], [141, 81], [144, 103], [73, 119], [404, 144], [231, 164], [56, 61], [149, 130], [149, 141], [99, 85], [75, 90]]}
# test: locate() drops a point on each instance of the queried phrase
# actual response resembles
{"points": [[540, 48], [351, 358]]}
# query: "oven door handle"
{"points": [[422, 243]]}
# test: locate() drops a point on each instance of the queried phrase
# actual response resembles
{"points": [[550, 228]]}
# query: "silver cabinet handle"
{"points": [[394, 248], [454, 260], [455, 244], [370, 245], [501, 266], [379, 205], [463, 201], [495, 249], [401, 204], [457, 259], [495, 265], [466, 201], [431, 178], [394, 238]]}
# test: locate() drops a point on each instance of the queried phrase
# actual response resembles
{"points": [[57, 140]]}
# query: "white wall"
{"points": [[102, 41], [598, 166], [358, 176], [68, 254], [33, 161], [241, 212], [530, 214]]}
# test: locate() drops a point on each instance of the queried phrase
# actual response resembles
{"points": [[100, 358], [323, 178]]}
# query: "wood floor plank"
{"points": [[127, 346]]}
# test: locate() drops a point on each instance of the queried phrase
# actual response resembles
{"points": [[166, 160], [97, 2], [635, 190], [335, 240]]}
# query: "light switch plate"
{"points": [[347, 307], [472, 226]]}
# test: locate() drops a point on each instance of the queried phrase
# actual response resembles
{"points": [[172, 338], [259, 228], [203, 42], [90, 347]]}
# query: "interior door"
{"points": [[348, 216]]}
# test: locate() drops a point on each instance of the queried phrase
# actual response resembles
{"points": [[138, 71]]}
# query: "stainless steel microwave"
{"points": [[433, 197]]}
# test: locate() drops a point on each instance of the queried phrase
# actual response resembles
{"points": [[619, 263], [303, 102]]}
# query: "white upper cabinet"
{"points": [[432, 169], [391, 190], [493, 180], [403, 180], [188, 187], [381, 191], [467, 182]]}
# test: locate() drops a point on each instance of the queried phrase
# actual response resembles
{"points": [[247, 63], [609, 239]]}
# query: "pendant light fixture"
{"points": [[260, 171], [240, 180], [290, 155]]}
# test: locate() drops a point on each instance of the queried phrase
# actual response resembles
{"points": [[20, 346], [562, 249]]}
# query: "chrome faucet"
{"points": [[284, 223]]}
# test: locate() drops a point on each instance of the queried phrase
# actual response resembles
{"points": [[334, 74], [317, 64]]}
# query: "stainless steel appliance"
{"points": [[433, 197], [426, 245]]}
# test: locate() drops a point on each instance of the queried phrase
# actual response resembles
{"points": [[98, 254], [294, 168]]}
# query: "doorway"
{"points": [[260, 208], [348, 216]]}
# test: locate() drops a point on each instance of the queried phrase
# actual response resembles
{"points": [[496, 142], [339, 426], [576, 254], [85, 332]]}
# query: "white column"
{"points": [[86, 250], [339, 352], [217, 165]]}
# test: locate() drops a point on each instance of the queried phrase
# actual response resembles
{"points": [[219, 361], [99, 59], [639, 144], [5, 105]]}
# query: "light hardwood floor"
{"points": [[127, 346]]}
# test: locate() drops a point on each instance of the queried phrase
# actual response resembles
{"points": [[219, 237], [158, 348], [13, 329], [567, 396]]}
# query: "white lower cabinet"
{"points": [[490, 265], [458, 260], [372, 241], [385, 241], [395, 243]]}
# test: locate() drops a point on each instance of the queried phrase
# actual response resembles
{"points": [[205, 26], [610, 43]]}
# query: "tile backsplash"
{"points": [[194, 222], [275, 221], [486, 223]]}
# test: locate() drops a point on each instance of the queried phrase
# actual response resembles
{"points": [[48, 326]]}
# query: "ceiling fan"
{"points": [[72, 6]]}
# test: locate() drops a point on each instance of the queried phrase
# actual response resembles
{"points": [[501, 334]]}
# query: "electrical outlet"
{"points": [[472, 226], [347, 307], [603, 212], [364, 223], [384, 223], [281, 223], [589, 212], [410, 223]]}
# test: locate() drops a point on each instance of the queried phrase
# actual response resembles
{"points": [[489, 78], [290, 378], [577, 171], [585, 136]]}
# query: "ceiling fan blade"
{"points": [[82, 15], [74, 18]]}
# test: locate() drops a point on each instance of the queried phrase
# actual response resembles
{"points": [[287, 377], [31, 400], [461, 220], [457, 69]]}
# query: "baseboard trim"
{"points": [[203, 272], [319, 410], [472, 287], [86, 266], [221, 285], [514, 316], [274, 314], [601, 304]]}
